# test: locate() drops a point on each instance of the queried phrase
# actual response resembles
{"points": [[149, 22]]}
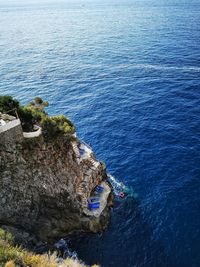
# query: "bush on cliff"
{"points": [[56, 125], [29, 116], [32, 113], [15, 256], [39, 104], [8, 104]]}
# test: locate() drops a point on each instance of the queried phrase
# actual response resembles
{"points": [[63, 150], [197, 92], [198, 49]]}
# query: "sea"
{"points": [[127, 73]]}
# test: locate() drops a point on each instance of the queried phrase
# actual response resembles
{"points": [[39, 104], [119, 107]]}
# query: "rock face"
{"points": [[44, 186]]}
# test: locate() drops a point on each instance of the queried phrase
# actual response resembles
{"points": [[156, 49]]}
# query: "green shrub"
{"points": [[38, 100], [38, 103], [8, 252], [49, 127], [6, 236], [57, 125], [7, 103]]}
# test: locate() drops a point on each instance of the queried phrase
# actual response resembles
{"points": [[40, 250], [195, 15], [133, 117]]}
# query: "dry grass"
{"points": [[45, 260], [14, 256], [10, 264]]}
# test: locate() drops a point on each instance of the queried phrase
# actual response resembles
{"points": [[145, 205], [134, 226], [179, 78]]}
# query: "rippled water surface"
{"points": [[127, 73]]}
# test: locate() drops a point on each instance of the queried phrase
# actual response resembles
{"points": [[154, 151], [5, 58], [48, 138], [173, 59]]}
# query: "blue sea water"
{"points": [[127, 72]]}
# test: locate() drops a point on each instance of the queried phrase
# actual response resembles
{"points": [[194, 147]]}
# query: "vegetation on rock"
{"points": [[34, 114], [15, 256]]}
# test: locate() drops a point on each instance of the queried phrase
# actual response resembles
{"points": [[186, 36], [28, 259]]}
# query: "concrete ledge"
{"points": [[33, 134], [9, 125], [103, 202], [87, 151]]}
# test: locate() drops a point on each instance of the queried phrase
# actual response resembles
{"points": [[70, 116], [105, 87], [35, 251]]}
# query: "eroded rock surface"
{"points": [[44, 187]]}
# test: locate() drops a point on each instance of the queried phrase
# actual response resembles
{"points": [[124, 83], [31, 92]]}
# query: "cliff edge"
{"points": [[45, 183]]}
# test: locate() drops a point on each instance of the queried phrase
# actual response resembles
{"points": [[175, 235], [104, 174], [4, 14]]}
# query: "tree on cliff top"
{"points": [[8, 104], [38, 103]]}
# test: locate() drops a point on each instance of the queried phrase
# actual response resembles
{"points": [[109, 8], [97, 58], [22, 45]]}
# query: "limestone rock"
{"points": [[43, 187]]}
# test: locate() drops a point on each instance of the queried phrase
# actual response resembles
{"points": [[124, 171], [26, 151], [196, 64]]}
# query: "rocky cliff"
{"points": [[44, 185]]}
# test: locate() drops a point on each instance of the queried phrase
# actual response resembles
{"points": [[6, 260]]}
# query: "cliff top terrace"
{"points": [[8, 122], [5, 118]]}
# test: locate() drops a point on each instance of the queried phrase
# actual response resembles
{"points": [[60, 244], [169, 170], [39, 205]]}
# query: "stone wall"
{"points": [[11, 133]]}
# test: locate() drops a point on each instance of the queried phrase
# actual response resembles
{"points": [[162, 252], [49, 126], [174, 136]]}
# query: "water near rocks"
{"points": [[127, 73]]}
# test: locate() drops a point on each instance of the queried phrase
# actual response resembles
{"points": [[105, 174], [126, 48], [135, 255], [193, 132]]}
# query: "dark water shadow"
{"points": [[128, 241]]}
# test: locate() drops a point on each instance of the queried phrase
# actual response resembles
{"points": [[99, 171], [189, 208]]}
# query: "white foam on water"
{"points": [[117, 186], [121, 187], [64, 248], [164, 67], [160, 67]]}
